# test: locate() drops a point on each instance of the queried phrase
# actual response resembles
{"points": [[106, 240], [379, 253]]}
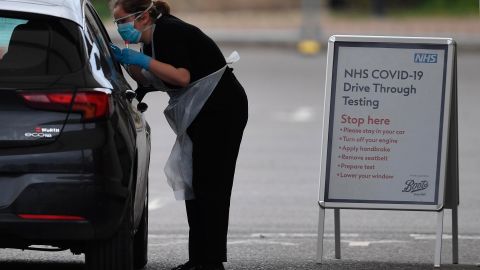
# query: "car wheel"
{"points": [[115, 253], [140, 242]]}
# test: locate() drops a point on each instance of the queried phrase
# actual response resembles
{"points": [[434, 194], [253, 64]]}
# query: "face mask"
{"points": [[128, 32]]}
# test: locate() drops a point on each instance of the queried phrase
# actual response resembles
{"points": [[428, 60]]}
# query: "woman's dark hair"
{"points": [[132, 6]]}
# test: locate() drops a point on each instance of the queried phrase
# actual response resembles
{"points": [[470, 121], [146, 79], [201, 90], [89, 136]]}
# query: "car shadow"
{"points": [[23, 265]]}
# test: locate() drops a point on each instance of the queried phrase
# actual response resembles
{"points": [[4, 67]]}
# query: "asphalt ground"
{"points": [[274, 208]]}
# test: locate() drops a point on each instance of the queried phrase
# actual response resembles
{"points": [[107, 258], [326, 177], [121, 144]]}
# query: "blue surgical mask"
{"points": [[128, 32]]}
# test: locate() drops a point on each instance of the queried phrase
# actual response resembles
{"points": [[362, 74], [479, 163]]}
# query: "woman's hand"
{"points": [[175, 76], [131, 57]]}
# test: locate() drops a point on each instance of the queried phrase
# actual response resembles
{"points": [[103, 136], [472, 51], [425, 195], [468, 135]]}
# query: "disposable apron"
{"points": [[183, 107]]}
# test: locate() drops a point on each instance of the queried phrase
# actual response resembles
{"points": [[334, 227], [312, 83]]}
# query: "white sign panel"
{"points": [[386, 122]]}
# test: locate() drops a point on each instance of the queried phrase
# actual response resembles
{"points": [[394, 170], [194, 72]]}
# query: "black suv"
{"points": [[74, 144]]}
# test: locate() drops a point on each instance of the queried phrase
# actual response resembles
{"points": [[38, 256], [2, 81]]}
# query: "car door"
{"points": [[135, 116]]}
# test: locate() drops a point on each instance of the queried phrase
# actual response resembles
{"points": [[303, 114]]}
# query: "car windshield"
{"points": [[38, 46]]}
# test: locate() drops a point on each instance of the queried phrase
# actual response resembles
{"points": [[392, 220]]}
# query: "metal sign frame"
{"points": [[386, 42], [447, 181]]}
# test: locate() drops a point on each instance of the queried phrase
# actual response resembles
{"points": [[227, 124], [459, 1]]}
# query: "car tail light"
{"points": [[92, 104], [51, 217]]}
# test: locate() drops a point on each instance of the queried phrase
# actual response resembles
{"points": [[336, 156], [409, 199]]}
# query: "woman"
{"points": [[188, 61]]}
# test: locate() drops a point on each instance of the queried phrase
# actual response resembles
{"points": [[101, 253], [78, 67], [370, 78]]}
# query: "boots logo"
{"points": [[412, 186]]}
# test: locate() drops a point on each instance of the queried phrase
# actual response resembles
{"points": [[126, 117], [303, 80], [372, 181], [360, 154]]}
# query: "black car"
{"points": [[74, 144]]}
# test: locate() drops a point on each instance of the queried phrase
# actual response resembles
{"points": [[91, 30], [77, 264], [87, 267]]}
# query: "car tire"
{"points": [[140, 241], [115, 253]]}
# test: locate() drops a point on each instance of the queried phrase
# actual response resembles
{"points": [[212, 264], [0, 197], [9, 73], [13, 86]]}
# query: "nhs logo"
{"points": [[428, 58]]}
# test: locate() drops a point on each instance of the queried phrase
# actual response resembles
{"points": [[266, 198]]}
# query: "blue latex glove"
{"points": [[117, 52], [131, 57]]}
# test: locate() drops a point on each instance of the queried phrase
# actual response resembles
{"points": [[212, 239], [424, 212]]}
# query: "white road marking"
{"points": [[368, 243], [157, 203], [301, 115], [282, 235], [168, 236], [445, 236], [260, 242], [170, 243], [234, 242], [353, 235], [298, 235], [276, 239], [358, 243]]}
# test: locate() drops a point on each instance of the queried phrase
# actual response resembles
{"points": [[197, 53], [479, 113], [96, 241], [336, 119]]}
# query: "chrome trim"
{"points": [[103, 90]]}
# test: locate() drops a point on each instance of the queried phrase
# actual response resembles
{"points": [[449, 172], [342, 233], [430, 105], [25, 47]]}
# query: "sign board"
{"points": [[386, 122]]}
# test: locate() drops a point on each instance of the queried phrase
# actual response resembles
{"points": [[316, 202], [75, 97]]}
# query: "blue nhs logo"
{"points": [[428, 58]]}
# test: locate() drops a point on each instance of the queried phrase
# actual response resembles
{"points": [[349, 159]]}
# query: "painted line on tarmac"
{"points": [[168, 236], [175, 239], [260, 242], [235, 242], [445, 236], [368, 243], [157, 203], [166, 244], [276, 239], [302, 114], [299, 235]]}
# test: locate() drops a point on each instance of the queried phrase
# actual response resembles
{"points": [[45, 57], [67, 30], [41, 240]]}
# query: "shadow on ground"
{"points": [[333, 265], [23, 265], [390, 266]]}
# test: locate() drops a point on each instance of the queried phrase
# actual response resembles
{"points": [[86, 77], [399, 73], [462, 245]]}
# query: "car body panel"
{"points": [[90, 169], [66, 9]]}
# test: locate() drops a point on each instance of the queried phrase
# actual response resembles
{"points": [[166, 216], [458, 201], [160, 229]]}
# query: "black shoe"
{"points": [[187, 266], [212, 266]]}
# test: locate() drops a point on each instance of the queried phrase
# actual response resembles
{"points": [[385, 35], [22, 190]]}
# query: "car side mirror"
{"points": [[142, 107]]}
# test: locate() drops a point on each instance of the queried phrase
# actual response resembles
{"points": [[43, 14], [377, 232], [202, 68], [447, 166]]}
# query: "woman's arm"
{"points": [[166, 72], [170, 74]]}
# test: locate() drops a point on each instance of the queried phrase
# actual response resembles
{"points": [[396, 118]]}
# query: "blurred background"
{"points": [[274, 210], [291, 22]]}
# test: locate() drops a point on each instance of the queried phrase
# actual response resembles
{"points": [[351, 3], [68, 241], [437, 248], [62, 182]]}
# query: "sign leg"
{"points": [[321, 228], [455, 234], [438, 242], [338, 247]]}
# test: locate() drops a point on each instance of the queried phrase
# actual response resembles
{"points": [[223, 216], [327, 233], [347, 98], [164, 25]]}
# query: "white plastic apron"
{"points": [[180, 113], [183, 107]]}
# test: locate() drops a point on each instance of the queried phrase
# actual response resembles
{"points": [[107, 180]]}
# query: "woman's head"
{"points": [[134, 17], [134, 6]]}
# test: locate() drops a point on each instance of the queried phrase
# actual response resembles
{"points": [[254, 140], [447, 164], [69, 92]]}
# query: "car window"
{"points": [[38, 45], [98, 38], [7, 25]]}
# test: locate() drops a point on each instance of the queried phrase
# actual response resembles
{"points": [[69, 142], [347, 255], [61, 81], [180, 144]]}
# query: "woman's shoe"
{"points": [[212, 266], [187, 266]]}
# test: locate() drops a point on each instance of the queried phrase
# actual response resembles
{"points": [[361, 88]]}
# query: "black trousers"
{"points": [[216, 134]]}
